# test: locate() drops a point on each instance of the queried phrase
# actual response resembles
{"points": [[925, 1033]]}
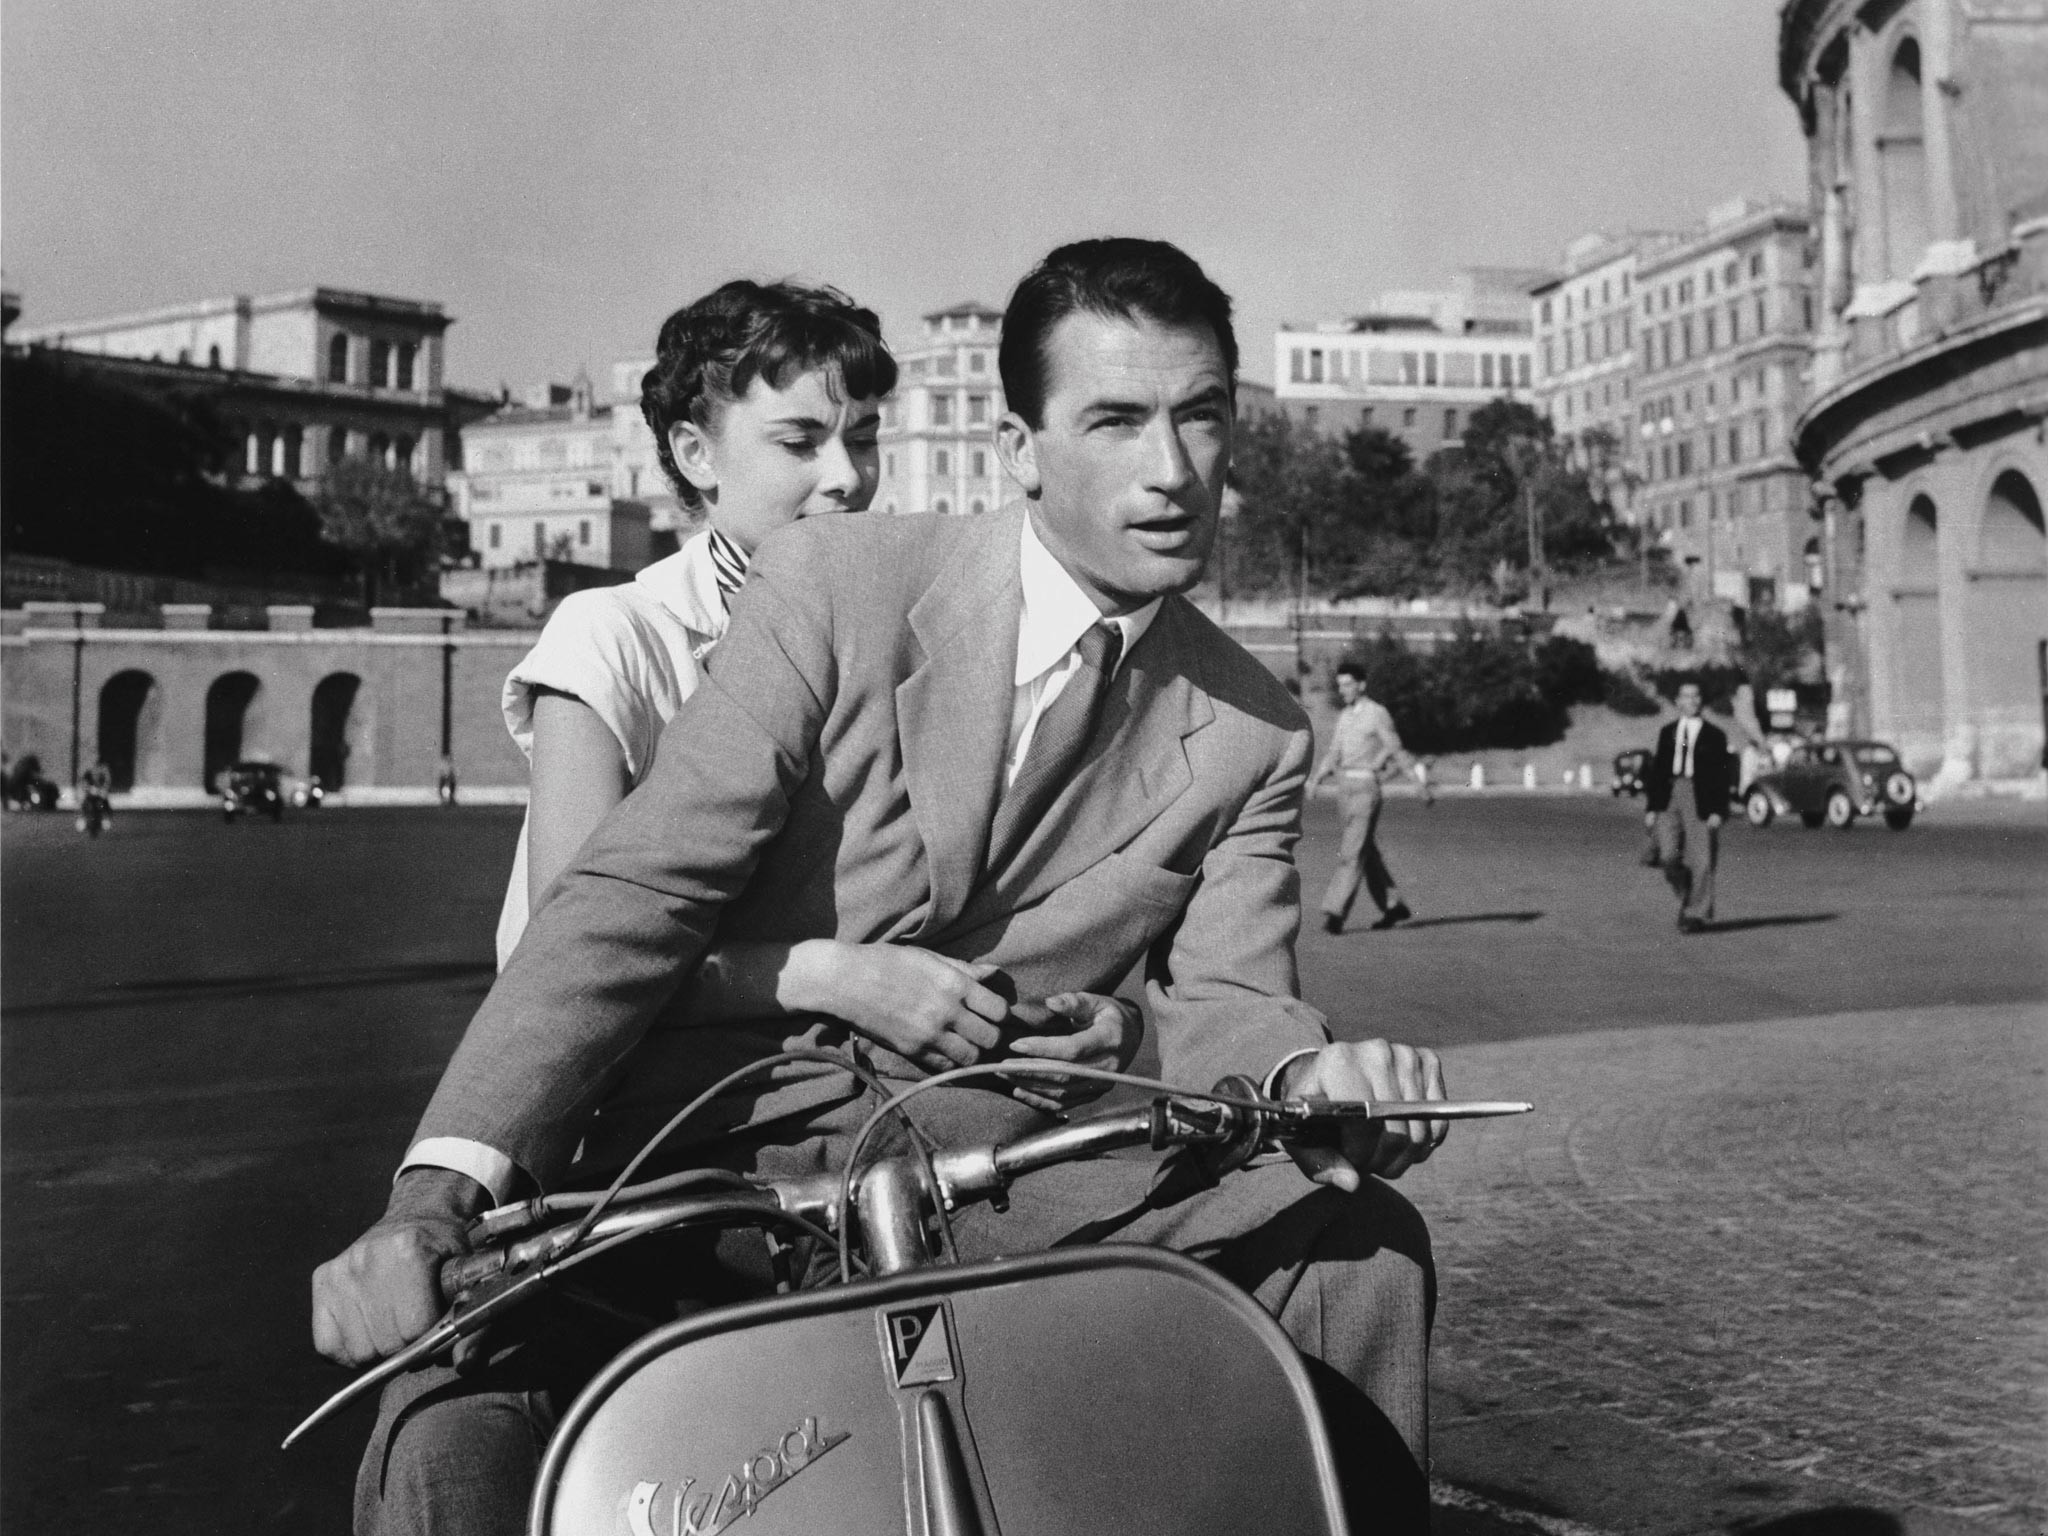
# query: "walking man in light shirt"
{"points": [[1364, 747], [1685, 794]]}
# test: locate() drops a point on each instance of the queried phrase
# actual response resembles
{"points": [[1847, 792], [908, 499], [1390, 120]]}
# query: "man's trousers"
{"points": [[1348, 1276], [1358, 853], [1687, 851]]}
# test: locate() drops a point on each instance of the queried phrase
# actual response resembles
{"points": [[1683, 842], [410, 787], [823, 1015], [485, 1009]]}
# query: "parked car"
{"points": [[1628, 771], [1835, 782], [252, 788], [26, 788]]}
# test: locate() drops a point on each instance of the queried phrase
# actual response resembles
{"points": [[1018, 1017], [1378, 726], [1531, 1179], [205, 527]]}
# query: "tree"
{"points": [[385, 521]]}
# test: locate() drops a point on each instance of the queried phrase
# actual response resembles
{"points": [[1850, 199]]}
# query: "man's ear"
{"points": [[691, 446], [1017, 447]]}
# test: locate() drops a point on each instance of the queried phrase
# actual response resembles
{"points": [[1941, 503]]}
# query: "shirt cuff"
{"points": [[458, 1154], [1273, 1077]]}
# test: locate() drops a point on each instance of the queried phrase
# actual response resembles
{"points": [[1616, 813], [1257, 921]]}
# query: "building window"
{"points": [[1365, 416], [979, 507], [540, 540], [1429, 367], [1756, 264], [977, 362], [1569, 361], [1763, 316], [292, 445], [980, 464], [337, 444], [1486, 370], [889, 464], [1549, 358], [1450, 423], [977, 410], [1408, 417], [942, 463], [942, 506], [946, 365], [213, 356], [942, 410], [337, 358], [1708, 322], [1806, 311], [380, 363], [1311, 416], [1315, 365], [1546, 312], [583, 533], [1294, 367], [407, 352], [1522, 370], [1411, 368], [402, 456], [495, 534], [1507, 371]]}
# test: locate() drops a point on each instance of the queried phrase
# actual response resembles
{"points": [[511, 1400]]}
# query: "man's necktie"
{"points": [[1684, 770], [1058, 744]]}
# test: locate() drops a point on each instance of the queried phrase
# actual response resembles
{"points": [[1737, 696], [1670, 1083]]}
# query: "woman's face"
{"points": [[776, 455]]}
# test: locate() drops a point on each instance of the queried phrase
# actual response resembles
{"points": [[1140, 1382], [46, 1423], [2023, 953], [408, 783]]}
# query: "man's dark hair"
{"points": [[1119, 279], [710, 353], [1352, 669]]}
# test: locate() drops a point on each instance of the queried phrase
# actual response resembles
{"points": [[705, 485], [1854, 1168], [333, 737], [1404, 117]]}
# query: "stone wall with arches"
{"points": [[167, 709]]}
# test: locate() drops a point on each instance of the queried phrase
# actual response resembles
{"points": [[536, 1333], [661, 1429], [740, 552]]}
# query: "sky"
{"points": [[561, 175]]}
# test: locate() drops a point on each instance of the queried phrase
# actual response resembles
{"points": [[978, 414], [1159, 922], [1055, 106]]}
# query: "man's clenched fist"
{"points": [[1368, 1069], [384, 1291]]}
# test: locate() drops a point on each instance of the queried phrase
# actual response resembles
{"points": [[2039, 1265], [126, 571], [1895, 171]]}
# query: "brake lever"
{"points": [[1311, 1110]]}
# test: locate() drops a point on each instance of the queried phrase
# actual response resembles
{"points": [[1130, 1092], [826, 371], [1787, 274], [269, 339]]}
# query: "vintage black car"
{"points": [[1835, 782], [1628, 771], [252, 789]]}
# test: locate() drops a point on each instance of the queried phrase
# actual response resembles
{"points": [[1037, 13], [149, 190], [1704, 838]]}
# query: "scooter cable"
{"points": [[1044, 1069]]}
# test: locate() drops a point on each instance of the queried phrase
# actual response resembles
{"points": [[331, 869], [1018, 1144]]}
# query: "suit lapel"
{"points": [[1138, 768], [953, 712]]}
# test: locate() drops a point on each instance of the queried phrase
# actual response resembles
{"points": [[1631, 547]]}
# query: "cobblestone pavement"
{"points": [[1775, 1266]]}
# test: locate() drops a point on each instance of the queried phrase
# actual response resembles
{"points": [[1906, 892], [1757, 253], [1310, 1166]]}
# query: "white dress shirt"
{"points": [[1683, 745]]}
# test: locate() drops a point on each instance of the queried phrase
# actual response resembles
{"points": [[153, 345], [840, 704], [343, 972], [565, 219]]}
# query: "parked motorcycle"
{"points": [[1101, 1387]]}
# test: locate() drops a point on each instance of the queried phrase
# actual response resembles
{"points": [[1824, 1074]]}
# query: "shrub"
{"points": [[1625, 696], [1568, 671]]}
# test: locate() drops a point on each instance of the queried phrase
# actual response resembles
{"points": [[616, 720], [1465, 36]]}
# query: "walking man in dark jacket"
{"points": [[1686, 789]]}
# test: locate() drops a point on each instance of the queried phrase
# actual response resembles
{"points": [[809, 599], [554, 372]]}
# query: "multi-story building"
{"points": [[1416, 364], [1722, 320], [938, 439], [1584, 321], [304, 378], [1927, 138], [541, 483]]}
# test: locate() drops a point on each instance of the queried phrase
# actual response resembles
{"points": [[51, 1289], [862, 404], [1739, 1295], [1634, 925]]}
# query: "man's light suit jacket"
{"points": [[835, 777]]}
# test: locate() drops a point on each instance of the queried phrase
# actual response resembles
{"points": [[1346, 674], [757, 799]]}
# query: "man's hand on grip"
{"points": [[1368, 1069], [384, 1290]]}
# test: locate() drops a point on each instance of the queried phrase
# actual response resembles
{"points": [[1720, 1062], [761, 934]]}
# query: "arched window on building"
{"points": [[380, 363], [407, 353], [1902, 165], [254, 458], [337, 358], [213, 356]]}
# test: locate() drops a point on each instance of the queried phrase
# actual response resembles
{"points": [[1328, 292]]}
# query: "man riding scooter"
{"points": [[1007, 740]]}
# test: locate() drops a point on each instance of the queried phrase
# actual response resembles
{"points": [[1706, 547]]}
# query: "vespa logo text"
{"points": [[739, 1495]]}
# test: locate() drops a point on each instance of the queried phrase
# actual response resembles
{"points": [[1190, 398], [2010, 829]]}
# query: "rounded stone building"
{"points": [[1927, 130]]}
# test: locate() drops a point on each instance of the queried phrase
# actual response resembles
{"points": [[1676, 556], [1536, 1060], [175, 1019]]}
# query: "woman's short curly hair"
{"points": [[710, 353]]}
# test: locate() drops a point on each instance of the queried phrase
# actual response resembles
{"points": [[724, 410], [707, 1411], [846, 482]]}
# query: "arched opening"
{"points": [[1918, 690], [2008, 625], [1902, 165], [129, 719], [227, 722], [334, 720]]}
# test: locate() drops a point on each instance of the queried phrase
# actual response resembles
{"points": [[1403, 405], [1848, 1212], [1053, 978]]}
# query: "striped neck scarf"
{"points": [[728, 565]]}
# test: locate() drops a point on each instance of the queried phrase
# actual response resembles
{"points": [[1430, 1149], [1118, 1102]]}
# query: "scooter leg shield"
{"points": [[1111, 1388]]}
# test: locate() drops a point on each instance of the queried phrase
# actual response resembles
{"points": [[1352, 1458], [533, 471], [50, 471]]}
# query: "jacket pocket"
{"points": [[1147, 882]]}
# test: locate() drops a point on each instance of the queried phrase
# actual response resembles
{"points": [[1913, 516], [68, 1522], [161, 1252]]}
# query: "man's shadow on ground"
{"points": [[1458, 918], [1782, 920]]}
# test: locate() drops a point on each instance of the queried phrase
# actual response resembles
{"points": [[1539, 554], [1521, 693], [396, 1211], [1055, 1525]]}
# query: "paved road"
{"points": [[216, 1039]]}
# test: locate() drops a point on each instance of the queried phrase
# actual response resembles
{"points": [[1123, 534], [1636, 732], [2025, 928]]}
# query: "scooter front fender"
{"points": [[1108, 1388]]}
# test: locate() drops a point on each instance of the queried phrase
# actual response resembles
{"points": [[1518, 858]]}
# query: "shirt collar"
{"points": [[686, 584], [1057, 612]]}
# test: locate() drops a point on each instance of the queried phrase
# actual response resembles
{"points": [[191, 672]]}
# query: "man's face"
{"points": [[1689, 700], [1349, 689], [1126, 474]]}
